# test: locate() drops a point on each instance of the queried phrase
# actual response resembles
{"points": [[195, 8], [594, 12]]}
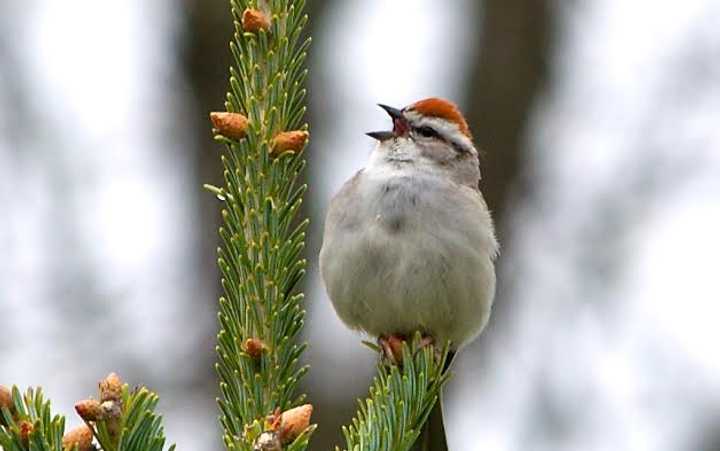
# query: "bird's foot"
{"points": [[426, 340], [391, 346]]}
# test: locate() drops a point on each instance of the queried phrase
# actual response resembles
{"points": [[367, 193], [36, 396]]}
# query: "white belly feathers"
{"points": [[412, 253]]}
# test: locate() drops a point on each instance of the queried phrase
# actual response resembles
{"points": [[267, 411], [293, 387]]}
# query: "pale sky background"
{"points": [[614, 269]]}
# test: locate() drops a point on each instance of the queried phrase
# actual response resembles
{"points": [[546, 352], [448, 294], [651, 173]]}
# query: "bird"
{"points": [[409, 243]]}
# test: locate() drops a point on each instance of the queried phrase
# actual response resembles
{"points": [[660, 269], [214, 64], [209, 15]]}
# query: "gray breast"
{"points": [[397, 200]]}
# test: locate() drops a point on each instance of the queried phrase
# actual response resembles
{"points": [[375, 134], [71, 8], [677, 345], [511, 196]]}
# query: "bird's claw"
{"points": [[392, 346]]}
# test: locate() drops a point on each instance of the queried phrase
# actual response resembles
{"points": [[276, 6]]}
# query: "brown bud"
{"points": [[254, 20], [90, 410], [268, 441], [81, 436], [26, 428], [292, 140], [111, 388], [254, 347], [230, 125], [294, 421], [5, 397]]}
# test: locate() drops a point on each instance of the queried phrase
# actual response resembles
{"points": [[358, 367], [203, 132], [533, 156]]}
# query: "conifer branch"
{"points": [[260, 312], [123, 420], [401, 399], [26, 422]]}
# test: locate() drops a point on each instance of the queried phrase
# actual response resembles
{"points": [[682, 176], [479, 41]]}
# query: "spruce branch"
{"points": [[259, 258], [260, 313], [401, 399], [123, 419], [26, 422]]}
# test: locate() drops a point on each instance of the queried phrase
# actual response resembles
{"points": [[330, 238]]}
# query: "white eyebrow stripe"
{"points": [[446, 129]]}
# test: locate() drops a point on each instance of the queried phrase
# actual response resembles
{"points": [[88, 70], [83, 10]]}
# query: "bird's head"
{"points": [[430, 135]]}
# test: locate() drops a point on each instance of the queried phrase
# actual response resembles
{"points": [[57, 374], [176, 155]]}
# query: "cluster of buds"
{"points": [[81, 436], [110, 405], [108, 409], [235, 125]]}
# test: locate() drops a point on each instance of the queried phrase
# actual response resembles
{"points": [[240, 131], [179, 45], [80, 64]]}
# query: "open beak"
{"points": [[381, 136], [393, 112], [400, 125]]}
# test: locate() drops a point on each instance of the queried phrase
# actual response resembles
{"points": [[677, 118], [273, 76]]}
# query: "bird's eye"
{"points": [[427, 132]]}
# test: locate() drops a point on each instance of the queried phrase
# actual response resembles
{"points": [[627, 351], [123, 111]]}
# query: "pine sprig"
{"points": [[401, 399], [28, 424], [140, 427], [260, 313]]}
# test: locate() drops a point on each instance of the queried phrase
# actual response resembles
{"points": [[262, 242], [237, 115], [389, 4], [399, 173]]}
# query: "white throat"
{"points": [[403, 156]]}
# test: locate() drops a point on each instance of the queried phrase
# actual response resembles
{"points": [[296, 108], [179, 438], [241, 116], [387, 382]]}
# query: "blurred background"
{"points": [[600, 124]]}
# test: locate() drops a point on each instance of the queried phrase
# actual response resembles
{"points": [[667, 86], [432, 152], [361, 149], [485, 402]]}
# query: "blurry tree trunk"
{"points": [[333, 409], [507, 78], [204, 60]]}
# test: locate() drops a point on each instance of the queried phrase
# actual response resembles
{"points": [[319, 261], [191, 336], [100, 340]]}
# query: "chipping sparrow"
{"points": [[409, 243]]}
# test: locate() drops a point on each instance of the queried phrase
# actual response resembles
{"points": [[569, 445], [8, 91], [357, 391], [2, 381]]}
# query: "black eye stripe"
{"points": [[427, 132], [459, 149]]}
